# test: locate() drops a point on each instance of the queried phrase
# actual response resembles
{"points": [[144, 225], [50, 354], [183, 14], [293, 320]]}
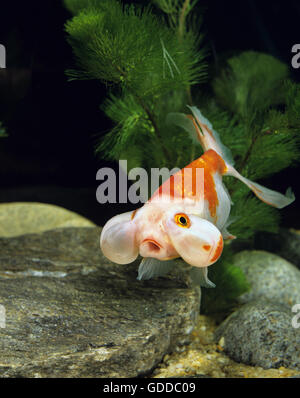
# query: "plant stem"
{"points": [[248, 153], [181, 29], [182, 16]]}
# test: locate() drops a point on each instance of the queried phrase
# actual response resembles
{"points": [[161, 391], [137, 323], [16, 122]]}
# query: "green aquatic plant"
{"points": [[153, 61], [149, 69], [2, 130]]}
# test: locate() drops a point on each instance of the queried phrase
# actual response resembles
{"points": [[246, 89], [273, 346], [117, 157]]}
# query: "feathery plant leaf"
{"points": [[130, 46], [132, 129], [76, 6], [250, 89], [293, 105], [180, 15], [252, 83], [274, 150], [2, 130]]}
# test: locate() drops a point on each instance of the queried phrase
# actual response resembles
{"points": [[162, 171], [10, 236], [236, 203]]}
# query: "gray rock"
{"points": [[270, 276], [261, 334], [20, 218], [285, 243], [72, 313]]}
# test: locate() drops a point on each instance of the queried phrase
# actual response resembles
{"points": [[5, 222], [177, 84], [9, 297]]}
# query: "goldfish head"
{"points": [[161, 232]]}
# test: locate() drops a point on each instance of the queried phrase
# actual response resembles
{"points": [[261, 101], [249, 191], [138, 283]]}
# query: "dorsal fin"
{"points": [[213, 138], [201, 132]]}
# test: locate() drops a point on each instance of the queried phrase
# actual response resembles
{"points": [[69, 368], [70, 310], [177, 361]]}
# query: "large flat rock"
{"points": [[72, 313]]}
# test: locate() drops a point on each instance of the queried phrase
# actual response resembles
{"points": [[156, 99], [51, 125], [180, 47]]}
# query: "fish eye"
{"points": [[182, 220]]}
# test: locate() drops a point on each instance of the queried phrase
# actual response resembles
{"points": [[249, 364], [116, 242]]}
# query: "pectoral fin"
{"points": [[200, 278], [225, 233], [151, 268]]}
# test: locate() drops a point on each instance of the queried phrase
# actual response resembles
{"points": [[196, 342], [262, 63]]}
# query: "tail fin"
{"points": [[268, 196], [209, 139]]}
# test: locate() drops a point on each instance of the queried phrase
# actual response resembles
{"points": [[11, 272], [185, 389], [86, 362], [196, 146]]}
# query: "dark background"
{"points": [[53, 124]]}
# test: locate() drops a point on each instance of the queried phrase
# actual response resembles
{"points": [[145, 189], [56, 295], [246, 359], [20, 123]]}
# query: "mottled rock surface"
{"points": [[25, 218], [72, 313], [261, 334], [270, 276], [205, 356]]}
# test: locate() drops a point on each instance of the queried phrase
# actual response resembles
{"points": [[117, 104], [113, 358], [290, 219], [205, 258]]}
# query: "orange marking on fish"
{"points": [[254, 188], [212, 163], [215, 161], [258, 193], [264, 200], [181, 186], [218, 251], [206, 247], [133, 214]]}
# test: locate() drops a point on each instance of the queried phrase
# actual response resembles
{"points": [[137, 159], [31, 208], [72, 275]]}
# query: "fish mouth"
{"points": [[152, 245]]}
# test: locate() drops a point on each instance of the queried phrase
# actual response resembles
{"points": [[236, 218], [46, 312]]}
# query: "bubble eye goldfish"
{"points": [[192, 226]]}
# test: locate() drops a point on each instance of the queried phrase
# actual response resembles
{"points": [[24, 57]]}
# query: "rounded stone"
{"points": [[20, 218], [261, 333], [285, 243], [270, 276]]}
